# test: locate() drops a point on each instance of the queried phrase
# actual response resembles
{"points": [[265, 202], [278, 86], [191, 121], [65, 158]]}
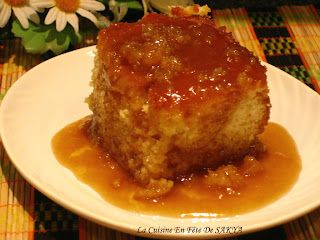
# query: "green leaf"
{"points": [[38, 39], [119, 10], [102, 21], [132, 4]]}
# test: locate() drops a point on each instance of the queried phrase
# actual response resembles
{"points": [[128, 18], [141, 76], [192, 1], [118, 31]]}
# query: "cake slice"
{"points": [[174, 95]]}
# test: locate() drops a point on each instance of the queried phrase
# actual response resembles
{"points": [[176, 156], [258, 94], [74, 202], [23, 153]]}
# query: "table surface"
{"points": [[287, 37]]}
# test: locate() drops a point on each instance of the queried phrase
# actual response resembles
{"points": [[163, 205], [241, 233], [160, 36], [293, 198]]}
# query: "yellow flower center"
{"points": [[68, 6], [16, 3]]}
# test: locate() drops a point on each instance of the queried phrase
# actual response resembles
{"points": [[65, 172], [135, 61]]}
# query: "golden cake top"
{"points": [[178, 61]]}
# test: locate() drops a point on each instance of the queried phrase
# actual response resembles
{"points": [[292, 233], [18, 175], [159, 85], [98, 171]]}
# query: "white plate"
{"points": [[52, 95]]}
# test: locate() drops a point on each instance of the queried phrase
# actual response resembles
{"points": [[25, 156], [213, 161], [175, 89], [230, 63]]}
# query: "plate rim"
{"points": [[101, 220]]}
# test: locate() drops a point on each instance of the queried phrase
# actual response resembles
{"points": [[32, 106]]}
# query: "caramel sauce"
{"points": [[177, 61], [190, 197]]}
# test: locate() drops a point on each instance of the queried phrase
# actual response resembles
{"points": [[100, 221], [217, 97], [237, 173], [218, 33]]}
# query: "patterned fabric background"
{"points": [[287, 37]]}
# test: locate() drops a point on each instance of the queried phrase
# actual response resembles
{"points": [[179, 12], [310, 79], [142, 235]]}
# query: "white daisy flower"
{"points": [[21, 9], [64, 11]]}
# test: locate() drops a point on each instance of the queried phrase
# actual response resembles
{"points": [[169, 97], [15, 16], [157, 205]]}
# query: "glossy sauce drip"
{"points": [[177, 61], [190, 197]]}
